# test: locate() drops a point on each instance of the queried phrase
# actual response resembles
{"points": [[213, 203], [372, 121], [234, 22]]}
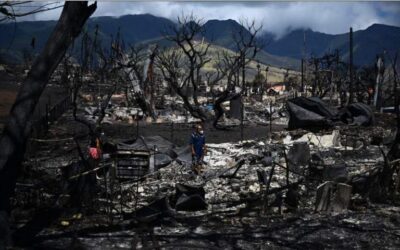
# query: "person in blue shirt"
{"points": [[198, 147]]}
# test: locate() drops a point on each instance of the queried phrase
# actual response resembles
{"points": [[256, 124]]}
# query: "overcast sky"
{"points": [[276, 17]]}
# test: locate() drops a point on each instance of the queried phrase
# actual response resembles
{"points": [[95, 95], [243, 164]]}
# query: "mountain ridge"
{"points": [[141, 28]]}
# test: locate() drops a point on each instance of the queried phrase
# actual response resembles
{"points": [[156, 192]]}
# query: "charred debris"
{"points": [[310, 160]]}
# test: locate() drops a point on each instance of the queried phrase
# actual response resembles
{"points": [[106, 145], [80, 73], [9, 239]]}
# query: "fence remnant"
{"points": [[40, 127]]}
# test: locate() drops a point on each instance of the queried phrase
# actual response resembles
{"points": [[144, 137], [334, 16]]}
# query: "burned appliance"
{"points": [[132, 164]]}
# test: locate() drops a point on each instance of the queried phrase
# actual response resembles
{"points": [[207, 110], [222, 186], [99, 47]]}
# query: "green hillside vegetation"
{"points": [[275, 74]]}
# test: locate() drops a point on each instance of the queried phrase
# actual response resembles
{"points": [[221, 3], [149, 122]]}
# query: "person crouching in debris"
{"points": [[95, 150], [95, 146], [198, 147]]}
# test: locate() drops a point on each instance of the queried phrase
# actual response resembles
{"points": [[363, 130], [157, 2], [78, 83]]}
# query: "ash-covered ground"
{"points": [[237, 208]]}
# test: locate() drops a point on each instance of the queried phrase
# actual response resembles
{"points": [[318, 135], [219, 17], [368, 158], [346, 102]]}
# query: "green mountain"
{"points": [[16, 38], [366, 43], [290, 48], [225, 32]]}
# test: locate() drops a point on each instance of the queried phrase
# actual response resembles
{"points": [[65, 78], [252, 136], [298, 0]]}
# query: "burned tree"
{"points": [[17, 130], [365, 84], [383, 184], [137, 66], [258, 82], [187, 37], [394, 152], [104, 75], [170, 64], [182, 67], [233, 65], [323, 70], [380, 70], [246, 48], [10, 10]]}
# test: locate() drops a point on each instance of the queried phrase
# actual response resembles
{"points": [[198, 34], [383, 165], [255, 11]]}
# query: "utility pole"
{"points": [[266, 82], [380, 66], [243, 74], [316, 76], [241, 118], [351, 66], [302, 61], [258, 84], [302, 75], [241, 99], [336, 87]]}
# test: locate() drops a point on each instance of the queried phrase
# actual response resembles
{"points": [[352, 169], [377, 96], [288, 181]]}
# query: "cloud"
{"points": [[276, 17]]}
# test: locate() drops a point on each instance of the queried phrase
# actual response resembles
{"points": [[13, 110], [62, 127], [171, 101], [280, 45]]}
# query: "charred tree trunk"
{"points": [[394, 152], [384, 182], [194, 110], [226, 95], [219, 111], [17, 130]]}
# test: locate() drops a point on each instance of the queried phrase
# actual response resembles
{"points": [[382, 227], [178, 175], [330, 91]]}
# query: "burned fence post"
{"points": [[380, 66], [270, 119], [302, 76], [351, 87], [137, 126], [47, 118], [332, 197], [265, 205], [287, 166], [241, 118], [107, 195], [154, 161], [266, 82], [172, 131]]}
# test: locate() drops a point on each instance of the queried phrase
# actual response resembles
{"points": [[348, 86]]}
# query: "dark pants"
{"points": [[197, 159]]}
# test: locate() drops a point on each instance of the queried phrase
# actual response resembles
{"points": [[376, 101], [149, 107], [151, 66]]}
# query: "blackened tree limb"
{"points": [[247, 47], [169, 63], [132, 66], [184, 36], [17, 130]]}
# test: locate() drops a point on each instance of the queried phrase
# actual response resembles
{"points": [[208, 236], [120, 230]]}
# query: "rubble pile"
{"points": [[244, 186], [231, 174], [281, 190], [173, 111]]}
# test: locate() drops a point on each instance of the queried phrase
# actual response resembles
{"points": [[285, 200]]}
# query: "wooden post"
{"points": [[336, 75], [241, 117], [379, 76], [137, 126], [287, 167], [266, 83], [244, 74], [172, 132], [302, 64], [270, 119], [351, 89], [267, 188], [302, 75], [244, 90]]}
